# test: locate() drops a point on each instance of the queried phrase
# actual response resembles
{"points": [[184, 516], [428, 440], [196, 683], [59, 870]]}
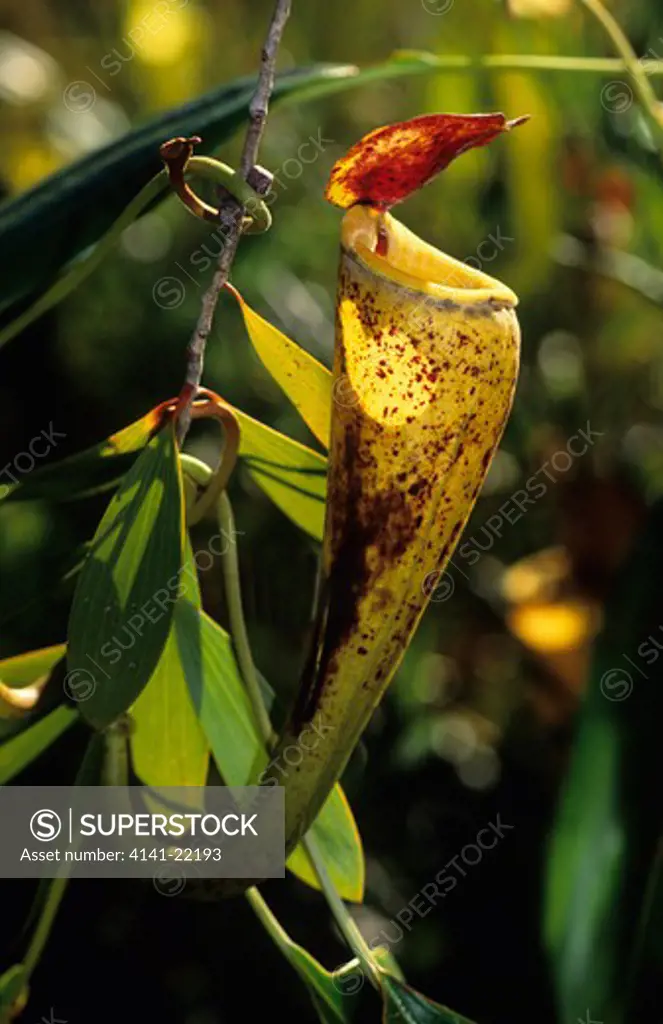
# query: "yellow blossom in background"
{"points": [[538, 8]]}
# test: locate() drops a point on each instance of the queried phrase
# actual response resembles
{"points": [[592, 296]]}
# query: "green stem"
{"points": [[240, 636], [271, 925], [530, 62], [199, 472], [343, 918], [87, 775], [646, 94], [115, 766], [44, 925]]}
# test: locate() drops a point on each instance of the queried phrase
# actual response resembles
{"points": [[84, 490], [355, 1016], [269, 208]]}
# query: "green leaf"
{"points": [[12, 987], [19, 751], [403, 1005], [336, 832], [123, 604], [610, 818], [22, 673], [45, 228], [25, 669], [168, 745], [227, 718], [387, 961], [324, 988], [306, 382], [293, 476]]}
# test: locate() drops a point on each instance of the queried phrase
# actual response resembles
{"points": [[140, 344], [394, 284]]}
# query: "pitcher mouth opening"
{"points": [[415, 264]]}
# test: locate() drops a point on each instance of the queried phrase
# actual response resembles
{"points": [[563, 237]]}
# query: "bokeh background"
{"points": [[483, 717]]}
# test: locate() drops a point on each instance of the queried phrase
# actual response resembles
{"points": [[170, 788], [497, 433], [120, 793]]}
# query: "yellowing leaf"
{"points": [[292, 475], [168, 744], [338, 838], [24, 669], [306, 382]]}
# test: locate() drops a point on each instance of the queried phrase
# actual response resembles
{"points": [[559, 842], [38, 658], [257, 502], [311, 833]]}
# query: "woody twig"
{"points": [[231, 214]]}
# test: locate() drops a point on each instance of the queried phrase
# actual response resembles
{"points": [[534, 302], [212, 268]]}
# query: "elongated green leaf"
{"points": [[610, 817], [19, 751], [293, 476], [226, 716], [44, 229], [26, 673], [24, 669], [306, 382], [12, 988], [402, 1005], [337, 833], [168, 745], [123, 604]]}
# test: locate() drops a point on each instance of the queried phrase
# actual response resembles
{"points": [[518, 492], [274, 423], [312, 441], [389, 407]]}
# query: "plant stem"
{"points": [[115, 767], [646, 94], [240, 638], [342, 916], [87, 775], [259, 105], [545, 62], [231, 215], [44, 925]]}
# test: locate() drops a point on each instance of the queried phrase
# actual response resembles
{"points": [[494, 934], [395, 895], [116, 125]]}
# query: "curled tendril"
{"points": [[208, 405], [178, 157]]}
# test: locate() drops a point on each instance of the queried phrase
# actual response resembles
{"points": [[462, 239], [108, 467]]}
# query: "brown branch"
{"points": [[231, 215], [259, 105]]}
